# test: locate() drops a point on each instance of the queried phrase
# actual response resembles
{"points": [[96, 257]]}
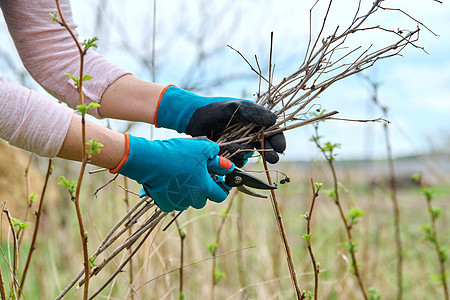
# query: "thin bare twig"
{"points": [[432, 236], [36, 228], [348, 228], [298, 292], [308, 217], [2, 287], [194, 263], [393, 188], [15, 267], [216, 245], [28, 196], [182, 235]]}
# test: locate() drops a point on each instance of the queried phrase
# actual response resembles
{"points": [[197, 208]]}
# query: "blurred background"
{"points": [[185, 43], [189, 43]]}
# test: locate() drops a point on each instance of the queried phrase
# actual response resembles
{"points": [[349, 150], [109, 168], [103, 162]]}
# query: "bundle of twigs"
{"points": [[328, 59]]}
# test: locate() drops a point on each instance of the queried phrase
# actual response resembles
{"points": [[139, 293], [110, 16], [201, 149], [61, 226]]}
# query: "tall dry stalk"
{"points": [[328, 154], [36, 228], [182, 234], [276, 208], [76, 199], [431, 234], [393, 187], [308, 216], [2, 287], [27, 194], [215, 245], [14, 290]]}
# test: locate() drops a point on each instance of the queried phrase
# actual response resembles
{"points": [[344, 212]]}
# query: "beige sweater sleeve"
{"points": [[47, 52]]}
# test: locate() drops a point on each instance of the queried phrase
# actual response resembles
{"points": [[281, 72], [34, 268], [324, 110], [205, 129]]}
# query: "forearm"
{"points": [[111, 153], [130, 98]]}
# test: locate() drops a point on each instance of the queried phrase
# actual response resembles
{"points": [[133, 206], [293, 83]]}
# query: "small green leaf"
{"points": [[90, 43], [318, 186], [69, 184], [76, 79], [444, 252], [93, 105], [218, 275], [353, 214], [19, 224], [351, 246], [429, 234], [212, 248], [94, 147], [32, 197], [315, 138], [416, 176], [181, 296], [440, 278], [428, 192], [84, 108], [92, 261], [330, 193], [54, 17], [307, 237], [373, 294], [183, 232], [436, 212], [87, 77], [223, 212]]}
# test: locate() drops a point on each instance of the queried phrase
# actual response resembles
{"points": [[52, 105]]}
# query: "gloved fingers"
{"points": [[199, 203], [217, 193], [270, 155], [278, 142], [212, 119], [254, 113], [220, 181], [160, 197], [210, 149]]}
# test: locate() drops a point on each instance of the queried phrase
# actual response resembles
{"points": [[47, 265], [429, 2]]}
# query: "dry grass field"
{"points": [[250, 261]]}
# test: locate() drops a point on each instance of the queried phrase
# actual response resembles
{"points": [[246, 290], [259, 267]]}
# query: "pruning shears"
{"points": [[236, 178]]}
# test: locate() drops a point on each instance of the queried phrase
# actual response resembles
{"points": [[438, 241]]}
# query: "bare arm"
{"points": [[113, 143], [128, 98]]}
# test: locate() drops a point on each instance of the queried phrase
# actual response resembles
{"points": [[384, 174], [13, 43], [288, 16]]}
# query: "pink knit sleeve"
{"points": [[31, 121], [48, 51]]}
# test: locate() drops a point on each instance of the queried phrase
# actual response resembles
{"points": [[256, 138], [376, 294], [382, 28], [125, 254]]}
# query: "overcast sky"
{"points": [[415, 86]]}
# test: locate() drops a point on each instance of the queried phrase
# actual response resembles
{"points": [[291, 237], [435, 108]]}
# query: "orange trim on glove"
{"points": [[157, 104], [125, 157], [225, 163]]}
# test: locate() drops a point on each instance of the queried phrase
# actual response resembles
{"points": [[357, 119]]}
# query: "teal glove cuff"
{"points": [[174, 172]]}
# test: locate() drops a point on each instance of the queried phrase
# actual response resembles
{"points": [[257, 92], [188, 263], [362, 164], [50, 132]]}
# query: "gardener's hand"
{"points": [[210, 116], [174, 172]]}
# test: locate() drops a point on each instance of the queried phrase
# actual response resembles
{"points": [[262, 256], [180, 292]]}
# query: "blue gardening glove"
{"points": [[175, 172], [210, 116]]}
